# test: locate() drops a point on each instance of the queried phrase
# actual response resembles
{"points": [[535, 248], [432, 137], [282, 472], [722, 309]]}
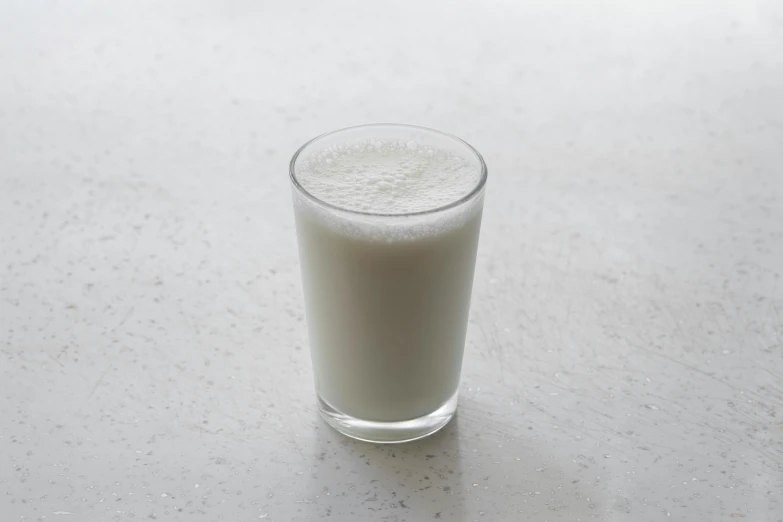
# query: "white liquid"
{"points": [[387, 299]]}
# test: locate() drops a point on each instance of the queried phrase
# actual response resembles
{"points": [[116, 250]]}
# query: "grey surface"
{"points": [[624, 357]]}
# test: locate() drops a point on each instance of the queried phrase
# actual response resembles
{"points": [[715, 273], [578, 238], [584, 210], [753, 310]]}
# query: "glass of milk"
{"points": [[388, 219]]}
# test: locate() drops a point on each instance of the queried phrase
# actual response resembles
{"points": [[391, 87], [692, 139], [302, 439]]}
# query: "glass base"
{"points": [[388, 432]]}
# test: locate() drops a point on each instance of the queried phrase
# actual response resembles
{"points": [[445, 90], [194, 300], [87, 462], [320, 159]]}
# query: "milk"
{"points": [[387, 297]]}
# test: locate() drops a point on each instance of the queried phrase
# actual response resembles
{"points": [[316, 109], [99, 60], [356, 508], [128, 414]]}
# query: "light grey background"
{"points": [[624, 357]]}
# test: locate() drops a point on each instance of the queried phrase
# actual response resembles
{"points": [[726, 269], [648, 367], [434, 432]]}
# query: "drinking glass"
{"points": [[387, 295]]}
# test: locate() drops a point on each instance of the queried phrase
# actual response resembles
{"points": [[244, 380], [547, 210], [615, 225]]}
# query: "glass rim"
{"points": [[464, 199]]}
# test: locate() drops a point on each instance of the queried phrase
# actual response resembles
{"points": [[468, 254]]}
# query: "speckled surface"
{"points": [[625, 352]]}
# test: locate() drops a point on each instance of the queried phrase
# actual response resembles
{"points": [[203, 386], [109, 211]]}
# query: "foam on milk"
{"points": [[387, 176]]}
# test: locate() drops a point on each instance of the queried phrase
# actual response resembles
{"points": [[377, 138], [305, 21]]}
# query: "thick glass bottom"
{"points": [[388, 432]]}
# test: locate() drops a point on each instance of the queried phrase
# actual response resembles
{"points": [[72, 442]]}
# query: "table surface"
{"points": [[625, 353]]}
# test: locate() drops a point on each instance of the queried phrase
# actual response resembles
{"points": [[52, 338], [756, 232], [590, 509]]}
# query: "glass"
{"points": [[387, 296]]}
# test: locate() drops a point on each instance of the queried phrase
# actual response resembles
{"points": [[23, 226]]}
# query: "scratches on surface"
{"points": [[123, 320], [687, 366], [99, 381], [96, 385], [57, 361]]}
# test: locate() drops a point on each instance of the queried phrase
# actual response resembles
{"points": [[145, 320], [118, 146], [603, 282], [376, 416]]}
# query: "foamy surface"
{"points": [[387, 176]]}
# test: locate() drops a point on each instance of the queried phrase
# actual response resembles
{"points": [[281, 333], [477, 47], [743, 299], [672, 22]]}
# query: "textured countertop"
{"points": [[625, 350]]}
